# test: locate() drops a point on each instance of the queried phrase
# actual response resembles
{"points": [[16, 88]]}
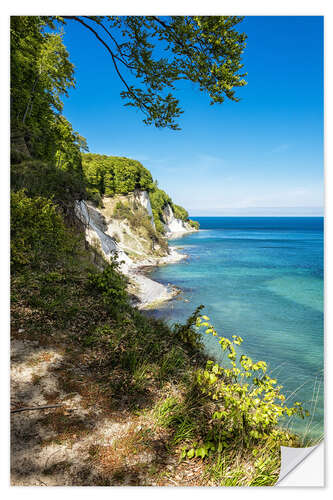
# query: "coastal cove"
{"points": [[260, 278]]}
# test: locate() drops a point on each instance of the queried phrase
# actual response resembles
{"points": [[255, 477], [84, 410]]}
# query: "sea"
{"points": [[260, 278]]}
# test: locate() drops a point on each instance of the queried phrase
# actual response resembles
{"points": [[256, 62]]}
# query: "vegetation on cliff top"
{"points": [[111, 175]]}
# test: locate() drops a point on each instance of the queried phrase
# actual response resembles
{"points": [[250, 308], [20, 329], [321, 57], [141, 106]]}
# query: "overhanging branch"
{"points": [[114, 56]]}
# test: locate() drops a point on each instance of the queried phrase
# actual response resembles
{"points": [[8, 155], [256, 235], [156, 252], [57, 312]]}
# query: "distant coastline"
{"points": [[259, 212]]}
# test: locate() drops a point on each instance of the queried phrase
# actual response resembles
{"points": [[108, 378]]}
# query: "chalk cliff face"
{"points": [[137, 198], [134, 243], [96, 233], [174, 227], [142, 198]]}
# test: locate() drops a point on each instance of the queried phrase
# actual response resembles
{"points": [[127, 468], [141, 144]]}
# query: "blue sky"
{"points": [[260, 156]]}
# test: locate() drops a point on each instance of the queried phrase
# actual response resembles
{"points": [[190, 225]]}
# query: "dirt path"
{"points": [[52, 446], [81, 443]]}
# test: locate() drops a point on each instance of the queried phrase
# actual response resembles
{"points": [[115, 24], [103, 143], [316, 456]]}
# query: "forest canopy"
{"points": [[110, 175]]}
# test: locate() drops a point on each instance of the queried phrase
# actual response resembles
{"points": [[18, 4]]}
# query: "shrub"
{"points": [[139, 220], [158, 223], [38, 233], [187, 333], [111, 284], [180, 212], [193, 223], [122, 211], [247, 405], [158, 200]]}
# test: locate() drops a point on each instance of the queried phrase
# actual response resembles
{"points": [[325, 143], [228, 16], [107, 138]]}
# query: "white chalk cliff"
{"points": [[174, 227], [142, 198], [115, 238]]}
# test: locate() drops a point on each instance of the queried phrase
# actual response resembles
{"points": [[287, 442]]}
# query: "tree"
{"points": [[69, 146], [41, 74], [156, 52]]}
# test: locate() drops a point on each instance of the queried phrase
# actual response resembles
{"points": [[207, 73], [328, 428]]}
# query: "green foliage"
{"points": [[112, 175], [158, 200], [247, 405], [41, 74], [94, 195], [234, 467], [187, 333], [157, 221], [38, 234], [172, 413], [111, 284], [193, 223], [157, 52], [172, 362], [69, 146], [46, 180], [122, 211], [180, 212]]}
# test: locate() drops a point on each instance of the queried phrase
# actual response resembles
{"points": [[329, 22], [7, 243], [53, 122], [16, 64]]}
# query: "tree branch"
{"points": [[75, 18], [175, 38], [36, 408], [114, 41], [140, 104]]}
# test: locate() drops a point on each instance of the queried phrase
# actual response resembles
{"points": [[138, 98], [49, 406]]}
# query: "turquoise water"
{"points": [[260, 278]]}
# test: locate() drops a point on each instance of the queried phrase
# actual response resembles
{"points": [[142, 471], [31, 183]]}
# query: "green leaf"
{"points": [[200, 452]]}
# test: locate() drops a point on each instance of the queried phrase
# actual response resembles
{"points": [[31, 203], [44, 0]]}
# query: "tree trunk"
{"points": [[30, 100]]}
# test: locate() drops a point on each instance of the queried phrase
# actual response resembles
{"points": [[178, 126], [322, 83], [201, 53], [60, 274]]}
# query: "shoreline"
{"points": [[150, 293], [146, 293]]}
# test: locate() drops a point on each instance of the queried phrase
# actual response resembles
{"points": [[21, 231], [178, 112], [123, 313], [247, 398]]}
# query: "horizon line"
{"points": [[259, 212], [259, 216]]}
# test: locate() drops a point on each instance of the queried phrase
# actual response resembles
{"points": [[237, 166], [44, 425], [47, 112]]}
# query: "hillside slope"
{"points": [[123, 227]]}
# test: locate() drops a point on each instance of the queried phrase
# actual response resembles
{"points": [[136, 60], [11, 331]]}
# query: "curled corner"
{"points": [[292, 457]]}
